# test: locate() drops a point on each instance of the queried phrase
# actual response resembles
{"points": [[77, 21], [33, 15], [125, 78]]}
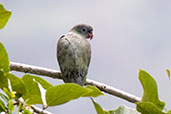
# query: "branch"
{"points": [[35, 70], [56, 74], [113, 91]]}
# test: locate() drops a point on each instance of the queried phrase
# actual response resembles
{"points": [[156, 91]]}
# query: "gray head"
{"points": [[84, 30]]}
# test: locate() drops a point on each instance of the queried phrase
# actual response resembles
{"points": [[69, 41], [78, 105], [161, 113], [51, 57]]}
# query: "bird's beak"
{"points": [[90, 36]]}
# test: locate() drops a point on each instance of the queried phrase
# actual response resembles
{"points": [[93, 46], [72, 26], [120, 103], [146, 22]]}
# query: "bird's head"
{"points": [[84, 30]]}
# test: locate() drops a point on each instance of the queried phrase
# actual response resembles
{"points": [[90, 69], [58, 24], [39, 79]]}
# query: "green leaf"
{"points": [[3, 80], [63, 93], [2, 106], [148, 108], [169, 112], [94, 93], [10, 105], [42, 92], [4, 97], [17, 83], [168, 73], [150, 93], [19, 107], [8, 93], [98, 108], [4, 62], [121, 110], [26, 112], [124, 110], [107, 112], [4, 16], [32, 90]]}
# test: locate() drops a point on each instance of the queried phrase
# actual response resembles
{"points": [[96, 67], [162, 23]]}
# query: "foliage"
{"points": [[121, 110], [4, 16], [168, 73], [4, 64], [150, 102]]}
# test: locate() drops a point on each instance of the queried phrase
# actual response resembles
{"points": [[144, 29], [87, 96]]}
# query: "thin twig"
{"points": [[56, 74], [33, 108], [39, 111]]}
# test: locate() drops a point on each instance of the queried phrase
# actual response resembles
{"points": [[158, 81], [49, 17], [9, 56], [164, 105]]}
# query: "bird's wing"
{"points": [[73, 53]]}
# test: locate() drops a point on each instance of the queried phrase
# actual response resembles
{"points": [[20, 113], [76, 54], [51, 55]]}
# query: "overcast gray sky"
{"points": [[128, 35]]}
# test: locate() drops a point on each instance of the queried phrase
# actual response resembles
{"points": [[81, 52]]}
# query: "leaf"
{"points": [[121, 110], [98, 108], [168, 72], [107, 112], [8, 93], [32, 90], [17, 83], [150, 93], [124, 110], [3, 80], [4, 62], [42, 92], [26, 112], [10, 105], [19, 107], [9, 85], [148, 108], [2, 106], [5, 98], [169, 112], [94, 93], [63, 93], [4, 16]]}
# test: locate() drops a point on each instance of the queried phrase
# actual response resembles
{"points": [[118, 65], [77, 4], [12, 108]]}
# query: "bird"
{"points": [[74, 54]]}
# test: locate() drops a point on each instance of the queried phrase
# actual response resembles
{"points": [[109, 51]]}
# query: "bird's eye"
{"points": [[84, 29]]}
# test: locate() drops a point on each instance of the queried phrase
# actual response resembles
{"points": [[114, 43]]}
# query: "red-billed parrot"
{"points": [[74, 53]]}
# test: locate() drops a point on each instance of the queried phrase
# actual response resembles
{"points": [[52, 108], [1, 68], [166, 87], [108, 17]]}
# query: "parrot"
{"points": [[74, 54]]}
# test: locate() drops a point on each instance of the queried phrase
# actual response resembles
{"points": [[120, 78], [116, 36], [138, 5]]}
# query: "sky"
{"points": [[128, 36]]}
